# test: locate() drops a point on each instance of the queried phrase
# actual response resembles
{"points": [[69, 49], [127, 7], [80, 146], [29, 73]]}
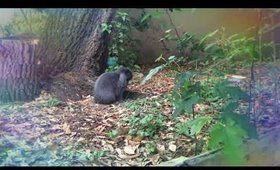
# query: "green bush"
{"points": [[30, 22], [122, 45]]}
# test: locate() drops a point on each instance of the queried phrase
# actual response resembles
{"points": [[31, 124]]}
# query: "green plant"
{"points": [[151, 147], [230, 127], [122, 45], [29, 22], [186, 93], [189, 46], [113, 68], [113, 133], [143, 22], [168, 63], [216, 48], [145, 125], [51, 102], [97, 154], [10, 107], [185, 96]]}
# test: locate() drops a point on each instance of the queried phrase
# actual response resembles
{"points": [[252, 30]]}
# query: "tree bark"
{"points": [[18, 80], [74, 50], [70, 53]]}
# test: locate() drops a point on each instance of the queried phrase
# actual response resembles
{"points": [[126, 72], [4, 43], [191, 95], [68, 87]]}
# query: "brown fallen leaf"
{"points": [[110, 147], [161, 148], [137, 139], [155, 159], [80, 139], [122, 130], [66, 128], [172, 147], [130, 150]]}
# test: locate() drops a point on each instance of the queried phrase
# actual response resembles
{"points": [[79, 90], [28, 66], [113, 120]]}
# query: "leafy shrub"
{"points": [[122, 45], [29, 22], [229, 128]]}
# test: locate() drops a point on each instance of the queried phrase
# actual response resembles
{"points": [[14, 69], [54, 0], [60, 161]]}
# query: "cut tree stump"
{"points": [[18, 79]]}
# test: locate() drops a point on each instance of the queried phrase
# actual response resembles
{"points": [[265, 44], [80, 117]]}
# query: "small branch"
{"points": [[170, 19], [252, 84]]}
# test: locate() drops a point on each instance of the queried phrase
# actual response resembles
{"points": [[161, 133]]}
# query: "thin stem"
{"points": [[173, 25], [195, 137]]}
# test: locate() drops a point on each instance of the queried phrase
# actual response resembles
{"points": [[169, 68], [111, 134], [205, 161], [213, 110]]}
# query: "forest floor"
{"points": [[75, 133]]}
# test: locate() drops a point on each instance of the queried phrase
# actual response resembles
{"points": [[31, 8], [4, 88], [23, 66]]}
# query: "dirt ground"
{"points": [[87, 123]]}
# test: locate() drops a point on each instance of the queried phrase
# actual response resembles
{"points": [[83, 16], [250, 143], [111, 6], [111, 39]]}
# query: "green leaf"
{"points": [[159, 58], [182, 78], [113, 133], [197, 124], [179, 108], [151, 147], [233, 36], [145, 17], [234, 156], [244, 122], [209, 35], [241, 119], [156, 14], [171, 57], [210, 45], [217, 135], [188, 103], [106, 27], [232, 144], [182, 128], [234, 133], [151, 73], [226, 90], [229, 109], [237, 94], [168, 31]]}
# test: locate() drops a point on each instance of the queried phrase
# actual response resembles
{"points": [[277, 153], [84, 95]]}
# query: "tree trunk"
{"points": [[73, 50], [18, 81]]}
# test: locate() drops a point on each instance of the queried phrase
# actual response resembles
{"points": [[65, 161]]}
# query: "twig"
{"points": [[176, 30], [170, 19]]}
